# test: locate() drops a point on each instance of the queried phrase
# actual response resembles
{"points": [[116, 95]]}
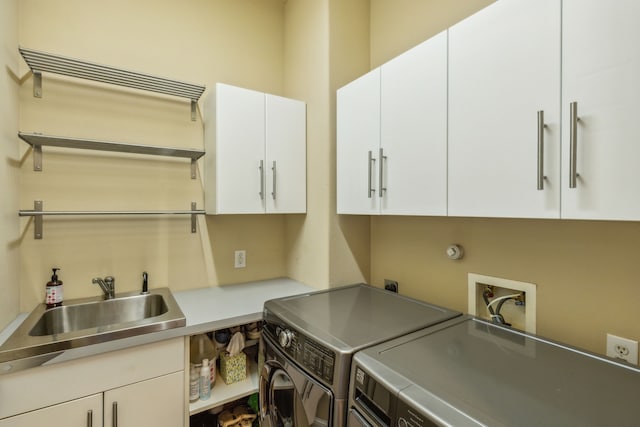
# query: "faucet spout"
{"points": [[108, 286]]}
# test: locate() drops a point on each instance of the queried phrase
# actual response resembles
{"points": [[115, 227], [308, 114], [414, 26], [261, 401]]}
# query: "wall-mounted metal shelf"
{"points": [[38, 140], [38, 213], [40, 62]]}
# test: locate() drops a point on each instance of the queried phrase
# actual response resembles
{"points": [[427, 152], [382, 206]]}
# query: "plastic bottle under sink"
{"points": [[201, 347]]}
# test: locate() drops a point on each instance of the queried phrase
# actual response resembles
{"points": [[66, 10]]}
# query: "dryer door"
{"points": [[289, 397]]}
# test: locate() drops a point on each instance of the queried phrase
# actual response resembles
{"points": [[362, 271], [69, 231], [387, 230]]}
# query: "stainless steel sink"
{"points": [[88, 321], [96, 314]]}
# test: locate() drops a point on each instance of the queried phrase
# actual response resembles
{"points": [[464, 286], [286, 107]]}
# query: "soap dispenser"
{"points": [[54, 291]]}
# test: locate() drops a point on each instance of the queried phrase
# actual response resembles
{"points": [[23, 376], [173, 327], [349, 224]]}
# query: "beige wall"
{"points": [[399, 25], [306, 77], [585, 271], [349, 59], [326, 45], [202, 41], [9, 162]]}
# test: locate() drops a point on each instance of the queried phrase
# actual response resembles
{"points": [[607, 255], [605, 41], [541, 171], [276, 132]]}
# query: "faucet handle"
{"points": [[110, 280], [145, 283]]}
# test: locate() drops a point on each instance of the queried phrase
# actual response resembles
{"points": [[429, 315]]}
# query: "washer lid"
{"points": [[488, 375], [353, 317]]}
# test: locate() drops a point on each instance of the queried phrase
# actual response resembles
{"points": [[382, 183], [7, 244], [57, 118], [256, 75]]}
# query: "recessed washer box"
{"points": [[521, 317]]}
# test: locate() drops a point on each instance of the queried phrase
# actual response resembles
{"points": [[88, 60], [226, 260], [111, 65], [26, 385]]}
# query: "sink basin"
{"points": [[46, 333], [96, 314]]}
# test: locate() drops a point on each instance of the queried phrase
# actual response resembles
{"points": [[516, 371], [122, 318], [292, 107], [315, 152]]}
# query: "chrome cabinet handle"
{"points": [[273, 169], [573, 144], [114, 413], [261, 168], [381, 170], [541, 127], [370, 189], [90, 418]]}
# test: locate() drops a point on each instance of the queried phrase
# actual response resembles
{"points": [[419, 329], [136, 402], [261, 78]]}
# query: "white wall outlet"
{"points": [[622, 348], [240, 259]]}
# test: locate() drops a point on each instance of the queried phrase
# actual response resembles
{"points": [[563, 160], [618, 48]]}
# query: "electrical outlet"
{"points": [[391, 285], [622, 348], [240, 259]]}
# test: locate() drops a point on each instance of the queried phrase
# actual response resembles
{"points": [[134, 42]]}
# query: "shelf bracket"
{"points": [[37, 158], [37, 220], [193, 218], [193, 110], [37, 84], [194, 168]]}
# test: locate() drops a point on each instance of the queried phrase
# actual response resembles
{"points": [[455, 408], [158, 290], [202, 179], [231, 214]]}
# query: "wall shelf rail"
{"points": [[38, 213], [38, 140], [40, 62]]}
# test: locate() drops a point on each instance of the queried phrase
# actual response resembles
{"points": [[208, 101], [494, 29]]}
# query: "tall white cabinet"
{"points": [[256, 152], [504, 67], [600, 77], [391, 136]]}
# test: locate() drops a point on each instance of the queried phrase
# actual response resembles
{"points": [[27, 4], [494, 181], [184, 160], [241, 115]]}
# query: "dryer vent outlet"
{"points": [[391, 285]]}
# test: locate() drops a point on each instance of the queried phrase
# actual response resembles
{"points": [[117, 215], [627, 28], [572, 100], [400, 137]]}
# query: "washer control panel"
{"points": [[316, 358]]}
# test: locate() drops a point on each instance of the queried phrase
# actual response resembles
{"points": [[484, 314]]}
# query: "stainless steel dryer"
{"points": [[309, 341], [468, 372]]}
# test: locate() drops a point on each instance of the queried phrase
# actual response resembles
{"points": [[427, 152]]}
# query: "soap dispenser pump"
{"points": [[54, 290]]}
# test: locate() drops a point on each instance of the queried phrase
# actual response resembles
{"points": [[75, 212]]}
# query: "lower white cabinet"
{"points": [[83, 412], [137, 386], [156, 402]]}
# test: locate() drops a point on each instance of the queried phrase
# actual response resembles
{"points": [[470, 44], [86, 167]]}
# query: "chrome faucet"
{"points": [[108, 286]]}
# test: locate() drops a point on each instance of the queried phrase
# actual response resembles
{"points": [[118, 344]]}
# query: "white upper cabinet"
{"points": [[600, 74], [286, 155], [358, 145], [504, 67], [391, 136], [257, 152], [413, 130]]}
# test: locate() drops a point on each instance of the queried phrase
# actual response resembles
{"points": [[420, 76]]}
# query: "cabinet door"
{"points": [[413, 131], [504, 67], [239, 150], [157, 402], [601, 65], [84, 412], [358, 145], [286, 155]]}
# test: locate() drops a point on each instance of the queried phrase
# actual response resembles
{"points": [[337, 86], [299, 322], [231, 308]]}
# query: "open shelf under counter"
{"points": [[222, 393]]}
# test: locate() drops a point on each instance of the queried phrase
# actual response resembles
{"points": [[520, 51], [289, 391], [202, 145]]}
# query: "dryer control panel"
{"points": [[380, 406], [314, 357]]}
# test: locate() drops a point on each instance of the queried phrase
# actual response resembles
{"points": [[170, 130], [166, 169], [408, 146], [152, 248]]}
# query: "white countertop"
{"points": [[219, 307], [205, 309]]}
